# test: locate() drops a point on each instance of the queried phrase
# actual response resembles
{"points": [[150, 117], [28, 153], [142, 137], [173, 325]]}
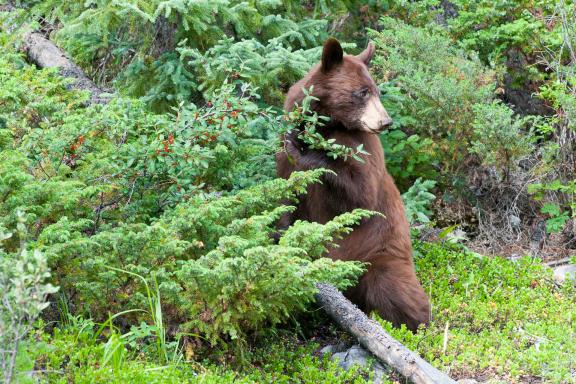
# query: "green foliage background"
{"points": [[155, 212]]}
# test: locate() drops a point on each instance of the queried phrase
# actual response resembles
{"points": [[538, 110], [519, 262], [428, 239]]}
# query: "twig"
{"points": [[445, 342]]}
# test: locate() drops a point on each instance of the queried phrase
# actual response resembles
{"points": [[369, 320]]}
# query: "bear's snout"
{"points": [[386, 123], [374, 118]]}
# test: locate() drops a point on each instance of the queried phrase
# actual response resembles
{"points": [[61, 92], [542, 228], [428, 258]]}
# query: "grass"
{"points": [[80, 351], [73, 355]]}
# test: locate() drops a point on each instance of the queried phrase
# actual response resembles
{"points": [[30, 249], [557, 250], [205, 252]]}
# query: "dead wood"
{"points": [[376, 340], [45, 54]]}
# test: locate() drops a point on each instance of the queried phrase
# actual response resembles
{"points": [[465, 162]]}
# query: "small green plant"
{"points": [[73, 354], [24, 292], [558, 214], [157, 330], [114, 351], [417, 200]]}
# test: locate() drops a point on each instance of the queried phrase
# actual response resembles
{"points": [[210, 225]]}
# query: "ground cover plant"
{"points": [[137, 237], [495, 318]]}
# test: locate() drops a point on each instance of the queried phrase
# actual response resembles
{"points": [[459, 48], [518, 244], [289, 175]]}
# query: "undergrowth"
{"points": [[73, 354], [155, 213], [492, 317]]}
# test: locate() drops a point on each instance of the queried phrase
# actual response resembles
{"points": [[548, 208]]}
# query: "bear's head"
{"points": [[345, 90]]}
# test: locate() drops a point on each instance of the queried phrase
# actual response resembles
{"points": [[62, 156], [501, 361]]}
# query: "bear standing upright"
{"points": [[347, 94]]}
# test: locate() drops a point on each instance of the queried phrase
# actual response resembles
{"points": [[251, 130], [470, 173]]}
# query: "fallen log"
{"points": [[45, 54], [376, 340]]}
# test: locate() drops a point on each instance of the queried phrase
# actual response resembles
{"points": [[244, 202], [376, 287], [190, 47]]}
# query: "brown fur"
{"points": [[390, 286]]}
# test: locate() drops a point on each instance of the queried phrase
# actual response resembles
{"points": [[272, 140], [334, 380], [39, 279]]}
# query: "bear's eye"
{"points": [[361, 94]]}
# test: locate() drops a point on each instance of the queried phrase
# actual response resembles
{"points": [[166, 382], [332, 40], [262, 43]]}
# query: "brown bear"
{"points": [[348, 95]]}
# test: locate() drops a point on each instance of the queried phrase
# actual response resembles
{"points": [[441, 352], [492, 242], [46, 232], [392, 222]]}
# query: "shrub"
{"points": [[491, 28], [443, 94], [417, 200], [440, 85], [500, 136], [557, 170], [120, 160], [407, 157], [213, 259], [186, 201], [272, 67], [146, 45], [24, 287]]}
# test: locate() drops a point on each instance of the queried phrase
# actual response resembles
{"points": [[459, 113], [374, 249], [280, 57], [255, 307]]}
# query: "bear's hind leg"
{"points": [[395, 293]]}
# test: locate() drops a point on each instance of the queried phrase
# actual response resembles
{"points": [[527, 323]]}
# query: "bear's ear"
{"points": [[332, 55], [367, 54]]}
